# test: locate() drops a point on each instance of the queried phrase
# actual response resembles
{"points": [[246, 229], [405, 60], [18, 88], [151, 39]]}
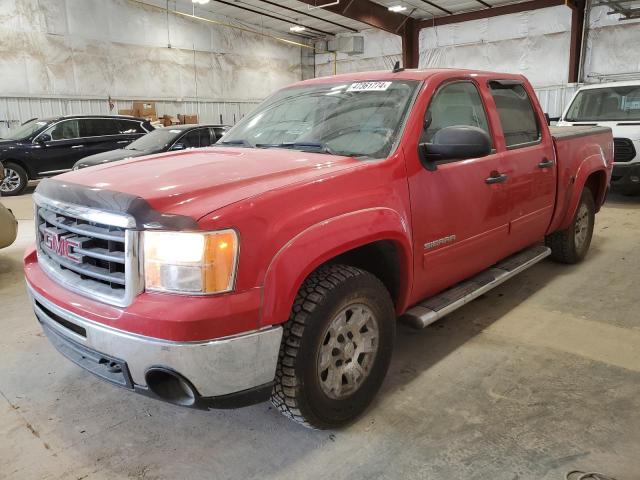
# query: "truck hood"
{"points": [[111, 156], [193, 183]]}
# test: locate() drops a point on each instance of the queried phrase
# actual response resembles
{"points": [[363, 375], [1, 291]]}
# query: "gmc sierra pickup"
{"points": [[276, 263]]}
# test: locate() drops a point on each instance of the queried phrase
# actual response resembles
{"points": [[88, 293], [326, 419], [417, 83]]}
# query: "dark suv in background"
{"points": [[49, 146], [177, 137]]}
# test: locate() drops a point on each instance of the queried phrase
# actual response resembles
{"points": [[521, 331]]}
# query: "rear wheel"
{"points": [[571, 245], [336, 347], [15, 180]]}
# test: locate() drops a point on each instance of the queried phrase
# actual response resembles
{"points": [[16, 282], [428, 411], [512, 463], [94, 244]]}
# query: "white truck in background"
{"points": [[617, 106]]}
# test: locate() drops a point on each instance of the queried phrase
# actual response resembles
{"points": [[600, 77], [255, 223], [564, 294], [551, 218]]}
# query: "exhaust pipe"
{"points": [[171, 387]]}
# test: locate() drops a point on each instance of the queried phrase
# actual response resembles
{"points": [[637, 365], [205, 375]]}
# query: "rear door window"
{"points": [[517, 115], [191, 139], [128, 127], [98, 127]]}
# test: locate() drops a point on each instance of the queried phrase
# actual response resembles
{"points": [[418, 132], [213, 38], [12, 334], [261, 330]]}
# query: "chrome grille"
{"points": [[90, 251]]}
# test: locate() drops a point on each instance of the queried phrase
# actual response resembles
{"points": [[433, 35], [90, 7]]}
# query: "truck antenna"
{"points": [[397, 68]]}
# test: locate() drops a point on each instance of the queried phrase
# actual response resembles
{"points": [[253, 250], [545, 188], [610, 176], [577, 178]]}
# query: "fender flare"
{"points": [[590, 165], [323, 241]]}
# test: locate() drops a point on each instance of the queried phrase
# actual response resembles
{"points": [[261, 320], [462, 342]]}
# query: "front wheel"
{"points": [[336, 347], [571, 245], [15, 180]]}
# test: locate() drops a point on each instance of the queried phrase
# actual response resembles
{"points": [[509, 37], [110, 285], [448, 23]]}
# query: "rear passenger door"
{"points": [[100, 135], [529, 162]]}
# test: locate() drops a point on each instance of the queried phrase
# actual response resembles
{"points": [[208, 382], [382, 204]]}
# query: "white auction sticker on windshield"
{"points": [[369, 87]]}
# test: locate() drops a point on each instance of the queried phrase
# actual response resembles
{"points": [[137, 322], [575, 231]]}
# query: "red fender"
{"points": [[324, 241], [566, 208]]}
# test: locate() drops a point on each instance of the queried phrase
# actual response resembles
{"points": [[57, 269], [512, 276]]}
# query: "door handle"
{"points": [[545, 163], [496, 177], [77, 146]]}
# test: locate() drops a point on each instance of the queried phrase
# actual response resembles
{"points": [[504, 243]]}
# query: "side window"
{"points": [[219, 133], [65, 130], [191, 139], [206, 134], [457, 103], [517, 116], [97, 127], [128, 127]]}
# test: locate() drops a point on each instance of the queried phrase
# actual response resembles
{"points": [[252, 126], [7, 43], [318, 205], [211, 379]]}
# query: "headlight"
{"points": [[190, 262]]}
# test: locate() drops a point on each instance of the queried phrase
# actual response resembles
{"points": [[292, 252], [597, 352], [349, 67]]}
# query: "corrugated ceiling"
{"points": [[280, 15]]}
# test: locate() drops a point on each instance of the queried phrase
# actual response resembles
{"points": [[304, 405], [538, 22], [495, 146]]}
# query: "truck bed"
{"points": [[562, 133]]}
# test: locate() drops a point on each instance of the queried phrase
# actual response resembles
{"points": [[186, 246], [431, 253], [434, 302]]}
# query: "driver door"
{"points": [[61, 149], [460, 216]]}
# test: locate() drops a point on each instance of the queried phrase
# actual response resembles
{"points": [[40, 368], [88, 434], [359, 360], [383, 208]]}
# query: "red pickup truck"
{"points": [[275, 264]]}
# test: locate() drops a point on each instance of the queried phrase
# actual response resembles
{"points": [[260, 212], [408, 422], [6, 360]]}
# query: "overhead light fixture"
{"points": [[397, 8], [297, 28], [201, 2]]}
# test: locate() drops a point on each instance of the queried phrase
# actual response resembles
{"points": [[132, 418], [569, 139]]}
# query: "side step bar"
{"points": [[436, 307]]}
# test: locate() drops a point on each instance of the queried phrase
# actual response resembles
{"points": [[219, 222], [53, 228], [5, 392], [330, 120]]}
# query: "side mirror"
{"points": [[455, 143], [178, 146], [44, 138]]}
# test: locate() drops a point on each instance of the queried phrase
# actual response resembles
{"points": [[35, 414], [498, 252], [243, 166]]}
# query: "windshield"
{"points": [[606, 104], [25, 131], [352, 118], [157, 140]]}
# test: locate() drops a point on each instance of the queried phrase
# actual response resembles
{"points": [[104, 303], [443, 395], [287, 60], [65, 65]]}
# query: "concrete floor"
{"points": [[538, 377]]}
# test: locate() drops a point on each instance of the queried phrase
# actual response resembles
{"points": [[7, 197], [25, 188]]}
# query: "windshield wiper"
{"points": [[322, 147], [241, 143]]}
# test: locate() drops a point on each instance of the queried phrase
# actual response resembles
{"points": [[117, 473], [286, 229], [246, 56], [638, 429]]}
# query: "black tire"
{"points": [[570, 246], [16, 180], [300, 391]]}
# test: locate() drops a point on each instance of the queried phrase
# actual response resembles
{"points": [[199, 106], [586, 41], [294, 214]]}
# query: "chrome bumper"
{"points": [[216, 368]]}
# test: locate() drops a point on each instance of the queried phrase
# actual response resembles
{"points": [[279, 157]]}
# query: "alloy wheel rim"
{"points": [[581, 226], [11, 181], [348, 351]]}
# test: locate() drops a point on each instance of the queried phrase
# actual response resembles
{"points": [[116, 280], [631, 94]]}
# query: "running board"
{"points": [[438, 306]]}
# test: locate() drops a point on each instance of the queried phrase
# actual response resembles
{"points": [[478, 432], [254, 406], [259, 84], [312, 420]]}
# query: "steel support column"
{"points": [[410, 52], [575, 47]]}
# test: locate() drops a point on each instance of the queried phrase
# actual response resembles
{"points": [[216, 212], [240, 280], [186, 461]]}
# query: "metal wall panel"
{"points": [[554, 99], [16, 110]]}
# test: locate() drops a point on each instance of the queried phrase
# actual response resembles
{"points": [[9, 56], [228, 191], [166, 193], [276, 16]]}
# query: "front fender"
{"points": [[324, 241]]}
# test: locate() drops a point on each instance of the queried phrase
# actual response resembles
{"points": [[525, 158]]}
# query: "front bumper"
{"points": [[626, 177], [222, 373]]}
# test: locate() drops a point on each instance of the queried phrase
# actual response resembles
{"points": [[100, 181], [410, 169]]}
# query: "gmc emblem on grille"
{"points": [[61, 245]]}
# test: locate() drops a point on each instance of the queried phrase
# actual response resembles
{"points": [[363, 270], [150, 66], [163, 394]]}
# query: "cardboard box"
{"points": [[144, 109], [125, 111], [188, 119], [168, 120]]}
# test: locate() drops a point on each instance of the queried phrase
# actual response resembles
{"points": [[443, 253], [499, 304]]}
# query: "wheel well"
{"points": [[597, 184], [379, 258], [21, 164]]}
